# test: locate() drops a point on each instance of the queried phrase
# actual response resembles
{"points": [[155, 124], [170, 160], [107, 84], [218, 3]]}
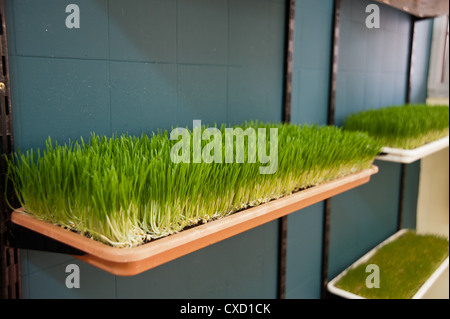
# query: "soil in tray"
{"points": [[404, 266]]}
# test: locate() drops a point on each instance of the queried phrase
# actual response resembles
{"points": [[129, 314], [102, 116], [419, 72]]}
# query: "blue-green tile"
{"points": [[143, 30], [275, 45], [392, 51], [202, 94], [358, 12], [400, 88], [312, 34], [249, 32], [143, 97], [40, 260], [202, 31], [64, 99], [23, 261], [376, 50], [354, 85], [363, 217], [249, 96], [51, 283], [388, 93], [40, 29], [10, 32], [357, 52], [311, 99], [25, 286], [372, 91], [304, 252], [389, 18], [255, 264], [243, 266]]}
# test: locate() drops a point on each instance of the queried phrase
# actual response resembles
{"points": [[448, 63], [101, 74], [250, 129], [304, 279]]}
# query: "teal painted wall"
{"points": [[138, 65], [143, 65]]}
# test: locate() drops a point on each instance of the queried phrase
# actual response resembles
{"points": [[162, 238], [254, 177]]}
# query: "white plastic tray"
{"points": [[408, 156], [331, 286]]}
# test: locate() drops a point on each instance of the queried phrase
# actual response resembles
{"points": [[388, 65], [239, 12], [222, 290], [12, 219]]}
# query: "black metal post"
{"points": [[10, 278], [412, 35], [401, 198], [289, 60], [287, 100], [331, 121]]}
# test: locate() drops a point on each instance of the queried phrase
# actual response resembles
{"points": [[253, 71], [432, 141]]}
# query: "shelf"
{"points": [[398, 155], [332, 288], [132, 261], [421, 9]]}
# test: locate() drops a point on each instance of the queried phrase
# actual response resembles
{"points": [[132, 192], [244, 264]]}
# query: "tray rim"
{"points": [[405, 156]]}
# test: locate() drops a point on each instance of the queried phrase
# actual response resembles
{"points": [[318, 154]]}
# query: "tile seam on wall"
{"points": [[129, 61]]}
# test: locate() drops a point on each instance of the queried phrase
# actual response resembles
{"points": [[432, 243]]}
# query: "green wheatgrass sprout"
{"points": [[404, 265], [405, 126], [126, 190]]}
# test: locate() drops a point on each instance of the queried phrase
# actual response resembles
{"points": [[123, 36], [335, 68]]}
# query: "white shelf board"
{"points": [[331, 286], [398, 155]]}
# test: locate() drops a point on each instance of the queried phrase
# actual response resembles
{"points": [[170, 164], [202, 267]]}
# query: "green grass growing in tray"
{"points": [[404, 126], [125, 190], [404, 266]]}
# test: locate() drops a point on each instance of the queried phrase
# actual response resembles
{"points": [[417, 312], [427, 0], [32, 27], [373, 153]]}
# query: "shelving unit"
{"points": [[417, 11], [437, 285]]}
